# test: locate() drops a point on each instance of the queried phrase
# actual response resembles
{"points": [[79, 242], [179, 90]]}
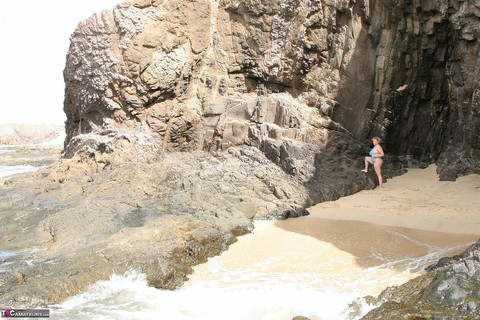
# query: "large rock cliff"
{"points": [[282, 76]]}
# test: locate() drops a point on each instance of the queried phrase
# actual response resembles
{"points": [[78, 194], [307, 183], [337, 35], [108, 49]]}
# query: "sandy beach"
{"points": [[351, 247], [416, 200]]}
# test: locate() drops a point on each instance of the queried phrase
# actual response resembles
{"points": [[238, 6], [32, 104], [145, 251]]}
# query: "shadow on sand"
{"points": [[374, 245]]}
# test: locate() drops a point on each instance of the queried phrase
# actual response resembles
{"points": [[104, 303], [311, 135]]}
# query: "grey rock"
{"points": [[449, 290]]}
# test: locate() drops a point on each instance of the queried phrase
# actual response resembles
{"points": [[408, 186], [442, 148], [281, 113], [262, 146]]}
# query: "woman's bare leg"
{"points": [[368, 160], [378, 171]]}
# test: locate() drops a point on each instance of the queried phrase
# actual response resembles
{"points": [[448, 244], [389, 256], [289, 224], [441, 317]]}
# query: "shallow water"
{"points": [[7, 259], [9, 170], [305, 266], [6, 171]]}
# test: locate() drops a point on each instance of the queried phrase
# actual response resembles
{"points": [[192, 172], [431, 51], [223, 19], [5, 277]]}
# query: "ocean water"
{"points": [[6, 171], [272, 274], [129, 297]]}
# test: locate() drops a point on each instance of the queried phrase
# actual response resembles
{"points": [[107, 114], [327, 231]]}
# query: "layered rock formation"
{"points": [[187, 119], [204, 75]]}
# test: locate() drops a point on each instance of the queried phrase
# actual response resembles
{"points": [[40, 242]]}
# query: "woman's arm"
{"points": [[378, 152]]}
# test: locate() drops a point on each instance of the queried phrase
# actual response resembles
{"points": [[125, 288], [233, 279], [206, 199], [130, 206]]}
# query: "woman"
{"points": [[376, 160]]}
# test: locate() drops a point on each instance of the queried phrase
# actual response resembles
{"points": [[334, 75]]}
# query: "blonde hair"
{"points": [[379, 140]]}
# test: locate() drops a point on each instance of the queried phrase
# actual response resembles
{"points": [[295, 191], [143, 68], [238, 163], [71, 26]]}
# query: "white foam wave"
{"points": [[129, 297], [236, 295], [418, 264], [243, 294], [6, 171]]}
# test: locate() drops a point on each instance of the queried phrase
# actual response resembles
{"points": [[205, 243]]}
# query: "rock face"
{"points": [[282, 76], [187, 119]]}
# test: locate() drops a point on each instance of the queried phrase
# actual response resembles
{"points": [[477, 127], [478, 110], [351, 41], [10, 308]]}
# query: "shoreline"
{"points": [[415, 200], [345, 244]]}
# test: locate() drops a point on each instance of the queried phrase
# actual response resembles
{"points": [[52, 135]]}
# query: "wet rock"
{"points": [[449, 290]]}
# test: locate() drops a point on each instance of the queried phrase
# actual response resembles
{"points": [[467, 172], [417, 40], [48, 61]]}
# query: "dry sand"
{"points": [[416, 200]]}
